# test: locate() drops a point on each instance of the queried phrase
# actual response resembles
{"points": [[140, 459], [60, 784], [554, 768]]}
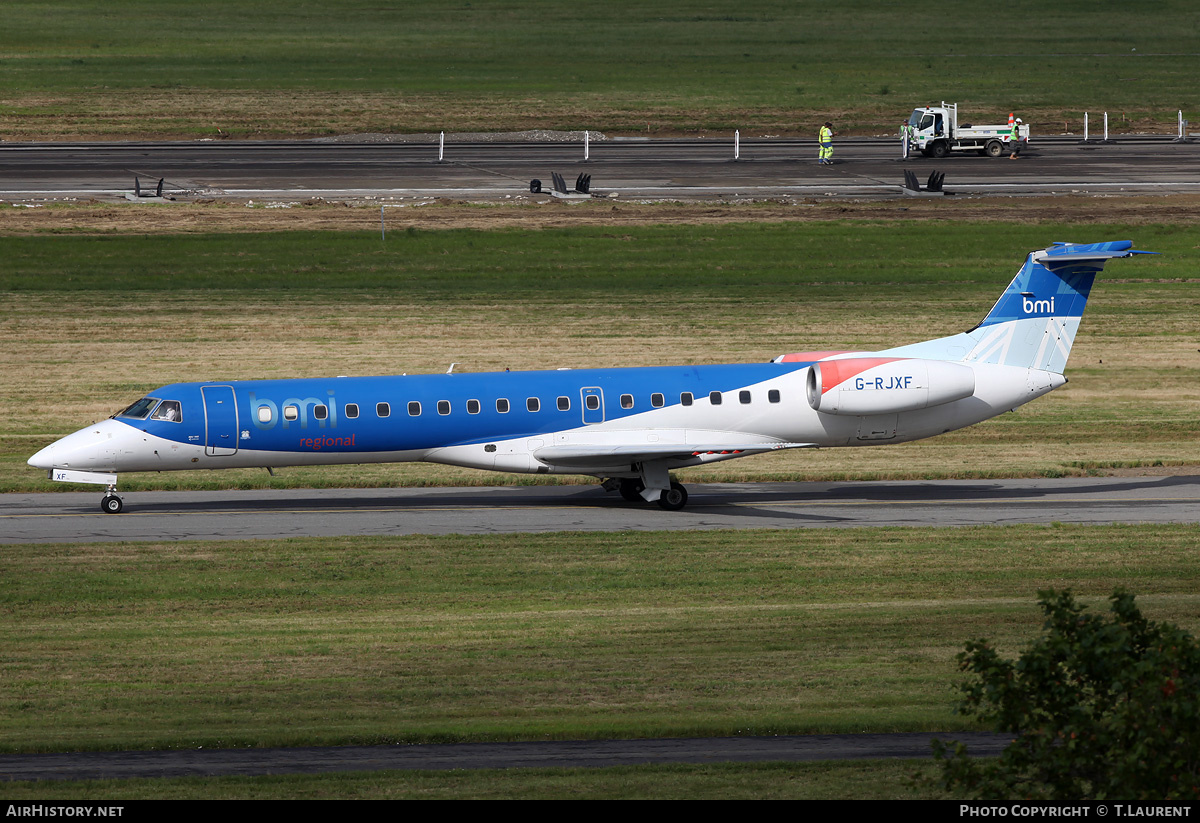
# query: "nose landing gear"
{"points": [[111, 504]]}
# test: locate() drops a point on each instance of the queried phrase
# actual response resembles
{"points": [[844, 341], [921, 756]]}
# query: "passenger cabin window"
{"points": [[714, 397], [320, 412], [168, 410], [291, 412], [533, 404], [657, 400], [685, 398], [564, 404], [743, 397], [472, 407], [627, 401], [443, 407], [140, 409], [414, 408], [264, 414], [351, 410], [502, 405], [383, 409], [592, 401], [773, 396]]}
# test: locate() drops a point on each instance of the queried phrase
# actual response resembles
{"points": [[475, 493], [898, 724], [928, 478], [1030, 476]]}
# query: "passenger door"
{"points": [[220, 421]]}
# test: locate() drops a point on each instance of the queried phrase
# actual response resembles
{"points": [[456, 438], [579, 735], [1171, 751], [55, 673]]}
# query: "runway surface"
{"points": [[697, 168], [559, 754], [269, 514]]}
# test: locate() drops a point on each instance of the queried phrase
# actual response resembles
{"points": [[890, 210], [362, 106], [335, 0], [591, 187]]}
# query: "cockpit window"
{"points": [[140, 409], [168, 410]]}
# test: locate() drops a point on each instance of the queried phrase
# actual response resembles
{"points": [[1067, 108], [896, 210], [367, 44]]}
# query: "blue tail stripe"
{"points": [[1056, 282]]}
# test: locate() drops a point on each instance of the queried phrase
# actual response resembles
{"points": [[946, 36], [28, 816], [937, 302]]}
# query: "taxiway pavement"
{"points": [[407, 173], [554, 754], [270, 514]]}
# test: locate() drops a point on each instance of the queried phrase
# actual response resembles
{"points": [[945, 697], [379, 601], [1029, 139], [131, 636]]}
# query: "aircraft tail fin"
{"points": [[1033, 324]]}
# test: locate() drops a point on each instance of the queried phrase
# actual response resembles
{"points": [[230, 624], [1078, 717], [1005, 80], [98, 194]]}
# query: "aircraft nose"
{"points": [[78, 450], [43, 459]]}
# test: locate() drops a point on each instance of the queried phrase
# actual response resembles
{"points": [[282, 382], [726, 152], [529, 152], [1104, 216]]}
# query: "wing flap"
{"points": [[583, 455]]}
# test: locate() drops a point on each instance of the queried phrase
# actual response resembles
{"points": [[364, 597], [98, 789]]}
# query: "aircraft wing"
{"points": [[582, 456]]}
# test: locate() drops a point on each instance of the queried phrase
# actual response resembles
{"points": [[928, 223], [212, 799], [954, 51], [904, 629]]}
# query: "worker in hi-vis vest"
{"points": [[1014, 139], [825, 155]]}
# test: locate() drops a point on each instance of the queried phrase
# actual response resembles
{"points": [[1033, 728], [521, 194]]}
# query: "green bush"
{"points": [[1102, 709]]}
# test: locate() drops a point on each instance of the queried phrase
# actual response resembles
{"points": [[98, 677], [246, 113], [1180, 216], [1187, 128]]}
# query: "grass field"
{"points": [[379, 640], [91, 322], [571, 636], [268, 68], [328, 641], [860, 780]]}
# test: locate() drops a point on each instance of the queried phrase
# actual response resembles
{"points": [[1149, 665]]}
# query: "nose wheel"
{"points": [[111, 504]]}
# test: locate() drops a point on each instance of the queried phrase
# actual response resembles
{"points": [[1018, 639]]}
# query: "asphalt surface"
{"points": [[698, 168], [269, 514], [562, 754]]}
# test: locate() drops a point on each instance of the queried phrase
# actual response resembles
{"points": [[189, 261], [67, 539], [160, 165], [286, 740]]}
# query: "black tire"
{"points": [[674, 498], [631, 489], [111, 504], [939, 149], [994, 148]]}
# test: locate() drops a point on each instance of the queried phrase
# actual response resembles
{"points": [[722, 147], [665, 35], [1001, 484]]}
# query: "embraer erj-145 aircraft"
{"points": [[628, 427]]}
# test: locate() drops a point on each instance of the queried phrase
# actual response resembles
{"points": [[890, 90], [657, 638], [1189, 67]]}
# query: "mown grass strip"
{"points": [[373, 640], [750, 261], [334, 66], [860, 780]]}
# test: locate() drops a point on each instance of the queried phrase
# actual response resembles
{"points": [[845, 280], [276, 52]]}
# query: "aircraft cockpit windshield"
{"points": [[166, 410], [139, 410]]}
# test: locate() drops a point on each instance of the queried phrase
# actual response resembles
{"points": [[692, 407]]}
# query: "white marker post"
{"points": [[737, 144], [442, 147], [1105, 127], [1085, 127], [587, 145]]}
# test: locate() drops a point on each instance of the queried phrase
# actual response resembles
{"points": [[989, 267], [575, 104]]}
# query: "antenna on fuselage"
{"points": [[451, 369]]}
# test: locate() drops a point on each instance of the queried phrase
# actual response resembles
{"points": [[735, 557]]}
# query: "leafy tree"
{"points": [[1102, 709]]}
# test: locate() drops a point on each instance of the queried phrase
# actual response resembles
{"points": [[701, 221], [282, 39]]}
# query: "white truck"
{"points": [[935, 132]]}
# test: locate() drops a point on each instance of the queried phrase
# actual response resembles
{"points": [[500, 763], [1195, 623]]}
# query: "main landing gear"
{"points": [[633, 490]]}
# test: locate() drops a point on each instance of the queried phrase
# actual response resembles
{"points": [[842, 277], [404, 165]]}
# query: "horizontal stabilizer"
{"points": [[1072, 254]]}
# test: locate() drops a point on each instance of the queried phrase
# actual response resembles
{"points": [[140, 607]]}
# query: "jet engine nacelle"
{"points": [[881, 385]]}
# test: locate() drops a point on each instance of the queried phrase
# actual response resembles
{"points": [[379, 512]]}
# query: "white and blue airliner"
{"points": [[628, 427]]}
